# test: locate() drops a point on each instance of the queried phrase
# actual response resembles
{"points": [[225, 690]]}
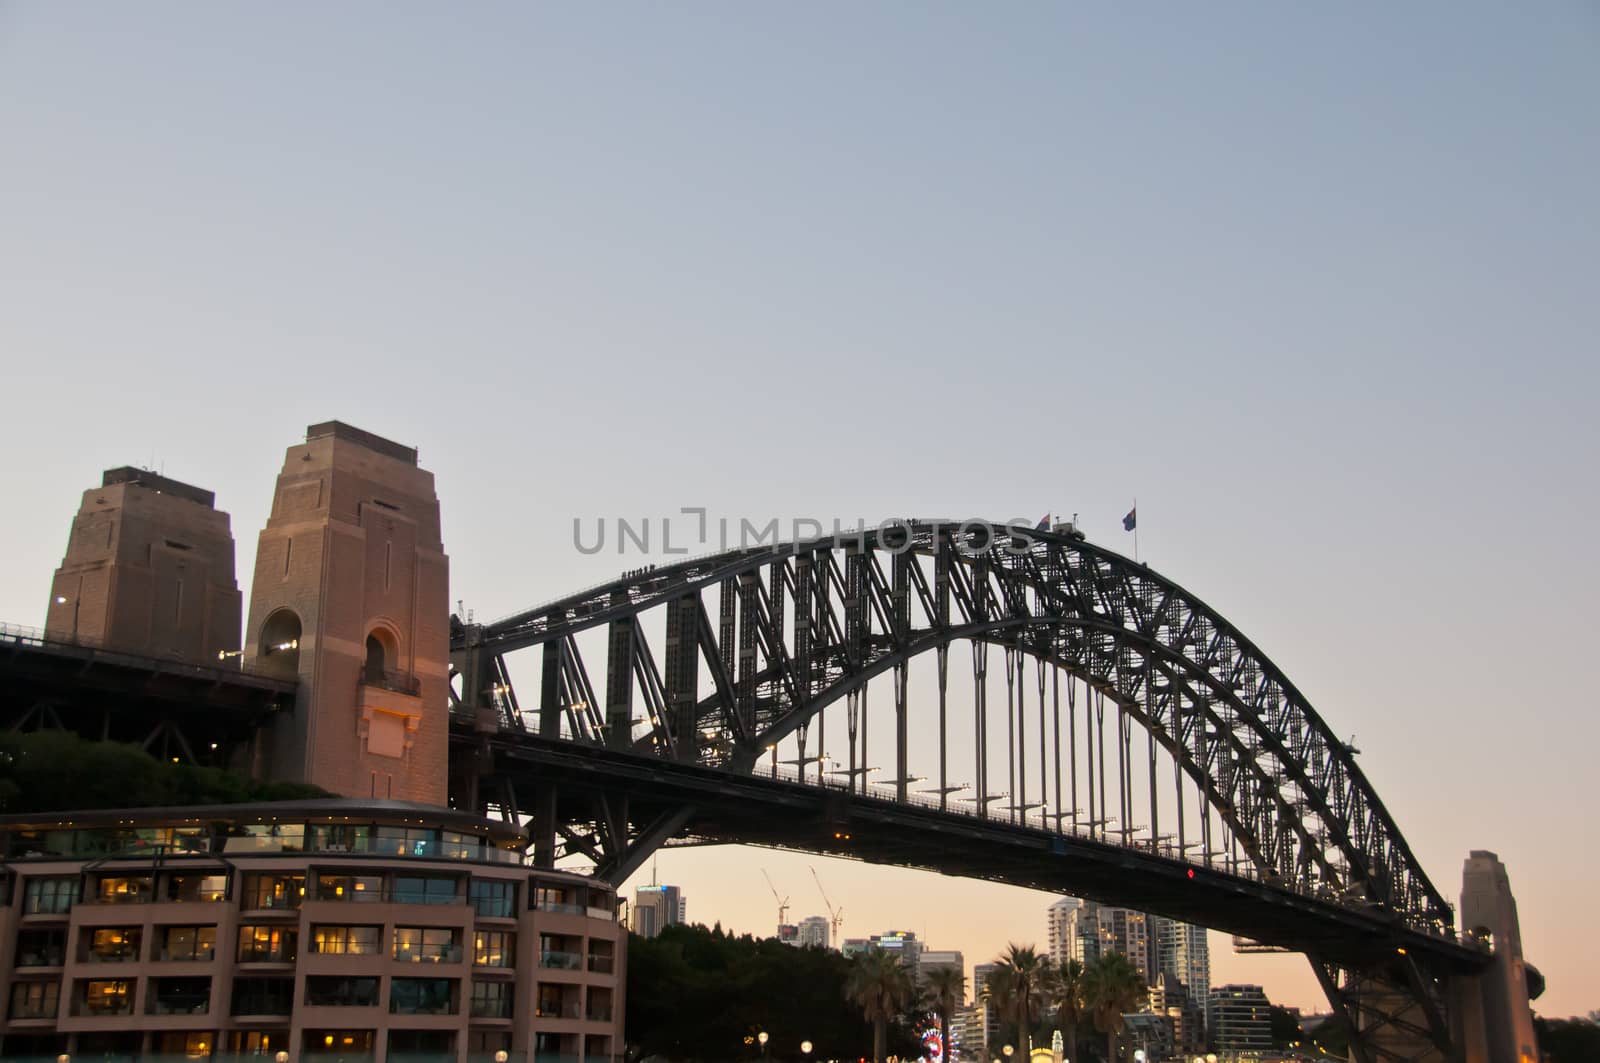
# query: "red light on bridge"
{"points": [[1190, 872]]}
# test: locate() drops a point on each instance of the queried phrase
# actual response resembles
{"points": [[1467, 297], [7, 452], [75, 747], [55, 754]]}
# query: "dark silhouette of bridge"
{"points": [[1238, 808], [1105, 734]]}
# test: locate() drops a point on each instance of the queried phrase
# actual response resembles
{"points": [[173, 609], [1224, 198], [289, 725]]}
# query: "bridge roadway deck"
{"points": [[730, 808]]}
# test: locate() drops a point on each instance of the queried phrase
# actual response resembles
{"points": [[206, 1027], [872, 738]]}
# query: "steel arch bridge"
{"points": [[1239, 808]]}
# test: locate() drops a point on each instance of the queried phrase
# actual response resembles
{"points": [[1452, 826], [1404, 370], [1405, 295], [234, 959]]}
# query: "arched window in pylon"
{"points": [[383, 654], [278, 652]]}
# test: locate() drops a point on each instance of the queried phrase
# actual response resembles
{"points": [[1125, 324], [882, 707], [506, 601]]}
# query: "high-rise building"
{"points": [[1058, 928], [971, 1029], [814, 932], [655, 908], [901, 943], [1073, 930], [980, 978], [933, 959], [1184, 1015], [1184, 957], [1128, 932], [351, 597], [1241, 1019], [148, 570]]}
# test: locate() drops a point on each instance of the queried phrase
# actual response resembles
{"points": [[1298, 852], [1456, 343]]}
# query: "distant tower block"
{"points": [[351, 595], [148, 569]]}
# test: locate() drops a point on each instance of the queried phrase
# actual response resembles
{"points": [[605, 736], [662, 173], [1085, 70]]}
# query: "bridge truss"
{"points": [[1094, 700]]}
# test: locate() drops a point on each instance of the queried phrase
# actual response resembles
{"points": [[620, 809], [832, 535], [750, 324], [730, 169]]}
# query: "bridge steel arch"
{"points": [[800, 627]]}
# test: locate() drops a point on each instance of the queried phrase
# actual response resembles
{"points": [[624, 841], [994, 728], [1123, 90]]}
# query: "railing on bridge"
{"points": [[227, 667]]}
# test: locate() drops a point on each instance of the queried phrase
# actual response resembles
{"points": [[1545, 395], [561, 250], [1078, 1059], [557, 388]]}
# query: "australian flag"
{"points": [[1044, 523], [1131, 521]]}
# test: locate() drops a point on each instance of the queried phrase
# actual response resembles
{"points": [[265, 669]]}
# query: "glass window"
{"points": [[180, 996], [426, 944], [184, 1045], [459, 846], [421, 1046], [263, 892], [263, 996], [125, 889], [599, 1005], [492, 948], [420, 889], [491, 1000], [341, 1044], [560, 952], [340, 838], [266, 944], [197, 888], [494, 899], [553, 898], [49, 895], [601, 956], [35, 1000], [256, 1042], [106, 997], [422, 996], [266, 838], [548, 1004], [114, 944], [41, 948], [405, 841], [341, 992], [188, 942], [346, 940], [340, 887]]}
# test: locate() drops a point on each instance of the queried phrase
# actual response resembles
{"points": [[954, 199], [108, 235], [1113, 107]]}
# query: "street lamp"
{"points": [[762, 1037], [501, 1056], [805, 1048], [281, 1057]]}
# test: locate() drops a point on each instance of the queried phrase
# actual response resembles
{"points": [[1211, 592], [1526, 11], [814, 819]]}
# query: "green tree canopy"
{"points": [[56, 771], [695, 994]]}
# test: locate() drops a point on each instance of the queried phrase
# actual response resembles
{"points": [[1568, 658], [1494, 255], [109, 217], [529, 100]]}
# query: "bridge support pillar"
{"points": [[1498, 999], [544, 825]]}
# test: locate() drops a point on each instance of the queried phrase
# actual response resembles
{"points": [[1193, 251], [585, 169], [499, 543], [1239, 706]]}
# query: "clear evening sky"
{"points": [[1318, 286]]}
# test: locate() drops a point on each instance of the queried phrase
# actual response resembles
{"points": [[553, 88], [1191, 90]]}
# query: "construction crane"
{"points": [[835, 915], [783, 902]]}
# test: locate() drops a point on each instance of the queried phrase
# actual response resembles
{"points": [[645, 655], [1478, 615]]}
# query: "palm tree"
{"points": [[1064, 987], [880, 986], [943, 991], [1016, 988], [999, 990], [1111, 986]]}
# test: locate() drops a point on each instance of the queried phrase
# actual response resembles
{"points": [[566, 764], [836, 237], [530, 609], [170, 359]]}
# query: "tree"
{"points": [[1112, 986], [1016, 989], [1285, 1026], [54, 771], [943, 991], [880, 986], [696, 994], [1064, 989], [1569, 1040], [999, 990]]}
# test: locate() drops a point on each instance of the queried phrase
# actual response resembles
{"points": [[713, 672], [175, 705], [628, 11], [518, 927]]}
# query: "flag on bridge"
{"points": [[1131, 521], [1044, 523]]}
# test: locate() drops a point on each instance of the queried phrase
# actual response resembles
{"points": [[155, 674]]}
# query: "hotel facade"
{"points": [[326, 930]]}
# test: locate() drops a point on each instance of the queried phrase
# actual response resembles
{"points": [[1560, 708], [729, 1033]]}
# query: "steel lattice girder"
{"points": [[1261, 755]]}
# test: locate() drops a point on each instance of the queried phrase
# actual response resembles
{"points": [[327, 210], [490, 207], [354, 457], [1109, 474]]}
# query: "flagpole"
{"points": [[1136, 527]]}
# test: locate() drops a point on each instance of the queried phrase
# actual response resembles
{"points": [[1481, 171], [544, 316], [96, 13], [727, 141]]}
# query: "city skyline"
{"points": [[1344, 305]]}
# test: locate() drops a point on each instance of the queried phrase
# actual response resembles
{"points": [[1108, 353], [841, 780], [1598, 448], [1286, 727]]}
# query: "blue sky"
{"points": [[1318, 286]]}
